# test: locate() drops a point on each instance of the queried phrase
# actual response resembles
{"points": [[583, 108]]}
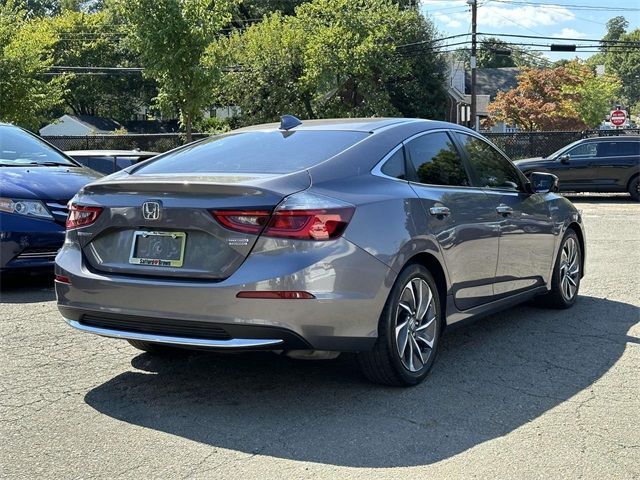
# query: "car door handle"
{"points": [[440, 211], [504, 210]]}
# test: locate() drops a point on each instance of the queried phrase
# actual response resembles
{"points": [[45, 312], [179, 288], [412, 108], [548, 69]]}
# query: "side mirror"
{"points": [[564, 158], [540, 182]]}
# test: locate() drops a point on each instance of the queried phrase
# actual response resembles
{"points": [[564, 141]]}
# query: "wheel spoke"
{"points": [[402, 335], [419, 293], [412, 302], [410, 360], [417, 350], [422, 337], [405, 307], [426, 324], [571, 280]]}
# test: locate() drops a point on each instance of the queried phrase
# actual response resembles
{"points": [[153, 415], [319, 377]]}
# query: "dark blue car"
{"points": [[36, 182]]}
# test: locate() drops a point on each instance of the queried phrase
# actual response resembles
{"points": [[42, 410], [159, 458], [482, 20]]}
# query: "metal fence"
{"points": [[540, 144], [156, 142], [516, 145]]}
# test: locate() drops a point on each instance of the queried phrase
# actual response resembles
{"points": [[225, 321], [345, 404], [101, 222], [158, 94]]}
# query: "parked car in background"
{"points": [[36, 182], [109, 161], [313, 238], [603, 164]]}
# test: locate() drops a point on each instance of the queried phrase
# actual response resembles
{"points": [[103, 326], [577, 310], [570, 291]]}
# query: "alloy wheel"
{"points": [[569, 269], [415, 324]]}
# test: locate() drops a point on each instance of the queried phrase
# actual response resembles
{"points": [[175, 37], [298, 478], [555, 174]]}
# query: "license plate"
{"points": [[158, 249]]}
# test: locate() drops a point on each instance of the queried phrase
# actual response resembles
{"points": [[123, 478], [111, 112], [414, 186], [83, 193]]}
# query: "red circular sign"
{"points": [[618, 117]]}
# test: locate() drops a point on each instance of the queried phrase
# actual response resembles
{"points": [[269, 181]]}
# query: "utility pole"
{"points": [[474, 21]]}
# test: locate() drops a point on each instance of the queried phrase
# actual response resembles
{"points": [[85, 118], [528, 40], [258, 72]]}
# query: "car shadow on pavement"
{"points": [[490, 378], [26, 288]]}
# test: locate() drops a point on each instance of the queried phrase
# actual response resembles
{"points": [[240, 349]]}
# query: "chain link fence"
{"points": [[515, 145], [157, 142], [541, 144]]}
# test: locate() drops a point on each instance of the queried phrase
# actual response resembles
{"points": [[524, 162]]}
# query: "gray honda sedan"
{"points": [[317, 237]]}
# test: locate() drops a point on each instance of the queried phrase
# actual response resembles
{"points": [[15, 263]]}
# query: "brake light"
{"points": [[246, 221], [303, 216], [81, 216], [316, 224]]}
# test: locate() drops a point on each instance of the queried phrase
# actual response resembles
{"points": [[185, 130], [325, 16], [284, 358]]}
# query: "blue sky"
{"points": [[552, 18]]}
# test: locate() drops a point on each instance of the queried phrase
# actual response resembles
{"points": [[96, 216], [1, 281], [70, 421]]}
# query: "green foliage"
{"points": [[85, 40], [570, 96], [625, 63], [170, 38], [596, 94], [212, 125], [489, 55], [26, 95], [334, 58]]}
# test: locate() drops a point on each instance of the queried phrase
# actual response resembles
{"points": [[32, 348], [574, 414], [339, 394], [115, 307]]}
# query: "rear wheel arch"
{"points": [[580, 234], [431, 263]]}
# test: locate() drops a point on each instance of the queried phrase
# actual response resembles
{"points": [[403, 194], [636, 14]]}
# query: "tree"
{"points": [[170, 38], [624, 61], [496, 53], [95, 40], [26, 95], [595, 94], [616, 27], [541, 101], [334, 58], [492, 53]]}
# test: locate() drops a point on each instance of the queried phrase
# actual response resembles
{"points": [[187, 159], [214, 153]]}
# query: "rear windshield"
{"points": [[255, 152]]}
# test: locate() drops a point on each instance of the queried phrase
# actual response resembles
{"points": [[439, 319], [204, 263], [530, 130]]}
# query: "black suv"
{"points": [[604, 164]]}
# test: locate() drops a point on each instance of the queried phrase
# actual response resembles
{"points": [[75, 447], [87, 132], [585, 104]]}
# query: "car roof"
{"points": [[111, 153], [614, 138], [348, 124]]}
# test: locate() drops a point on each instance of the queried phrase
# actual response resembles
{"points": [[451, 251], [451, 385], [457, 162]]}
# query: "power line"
{"points": [[569, 7], [622, 42]]}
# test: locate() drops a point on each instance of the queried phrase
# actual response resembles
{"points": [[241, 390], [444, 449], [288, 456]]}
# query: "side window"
{"points": [[394, 167], [586, 150], [437, 161], [620, 149], [491, 169]]}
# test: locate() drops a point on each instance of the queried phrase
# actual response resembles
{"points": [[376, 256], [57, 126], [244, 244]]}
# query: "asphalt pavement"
{"points": [[527, 393]]}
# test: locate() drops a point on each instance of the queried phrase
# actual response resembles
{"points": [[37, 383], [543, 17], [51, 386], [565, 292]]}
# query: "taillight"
{"points": [[81, 216], [315, 224], [246, 221], [303, 216]]}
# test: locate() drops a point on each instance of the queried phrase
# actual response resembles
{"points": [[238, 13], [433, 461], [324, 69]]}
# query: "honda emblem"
{"points": [[151, 210]]}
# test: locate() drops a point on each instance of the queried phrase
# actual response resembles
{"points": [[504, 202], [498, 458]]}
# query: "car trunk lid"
{"points": [[130, 237]]}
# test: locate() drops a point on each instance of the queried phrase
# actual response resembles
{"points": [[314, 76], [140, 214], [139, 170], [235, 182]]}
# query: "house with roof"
{"points": [[490, 81], [82, 125]]}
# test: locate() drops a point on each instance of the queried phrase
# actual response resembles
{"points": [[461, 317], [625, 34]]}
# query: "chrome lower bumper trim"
{"points": [[237, 343]]}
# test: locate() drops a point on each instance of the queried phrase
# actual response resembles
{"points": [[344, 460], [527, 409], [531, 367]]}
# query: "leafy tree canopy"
{"points": [[26, 94], [333, 58], [567, 97], [170, 38], [96, 40]]}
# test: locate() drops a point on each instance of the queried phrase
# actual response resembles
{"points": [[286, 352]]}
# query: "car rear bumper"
{"points": [[350, 288]]}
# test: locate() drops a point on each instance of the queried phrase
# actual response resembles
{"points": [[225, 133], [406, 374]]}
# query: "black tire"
{"points": [[557, 297], [634, 188], [383, 364], [155, 348]]}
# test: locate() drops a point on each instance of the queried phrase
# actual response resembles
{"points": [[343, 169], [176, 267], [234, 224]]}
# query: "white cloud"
{"points": [[527, 16], [569, 33], [447, 20]]}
